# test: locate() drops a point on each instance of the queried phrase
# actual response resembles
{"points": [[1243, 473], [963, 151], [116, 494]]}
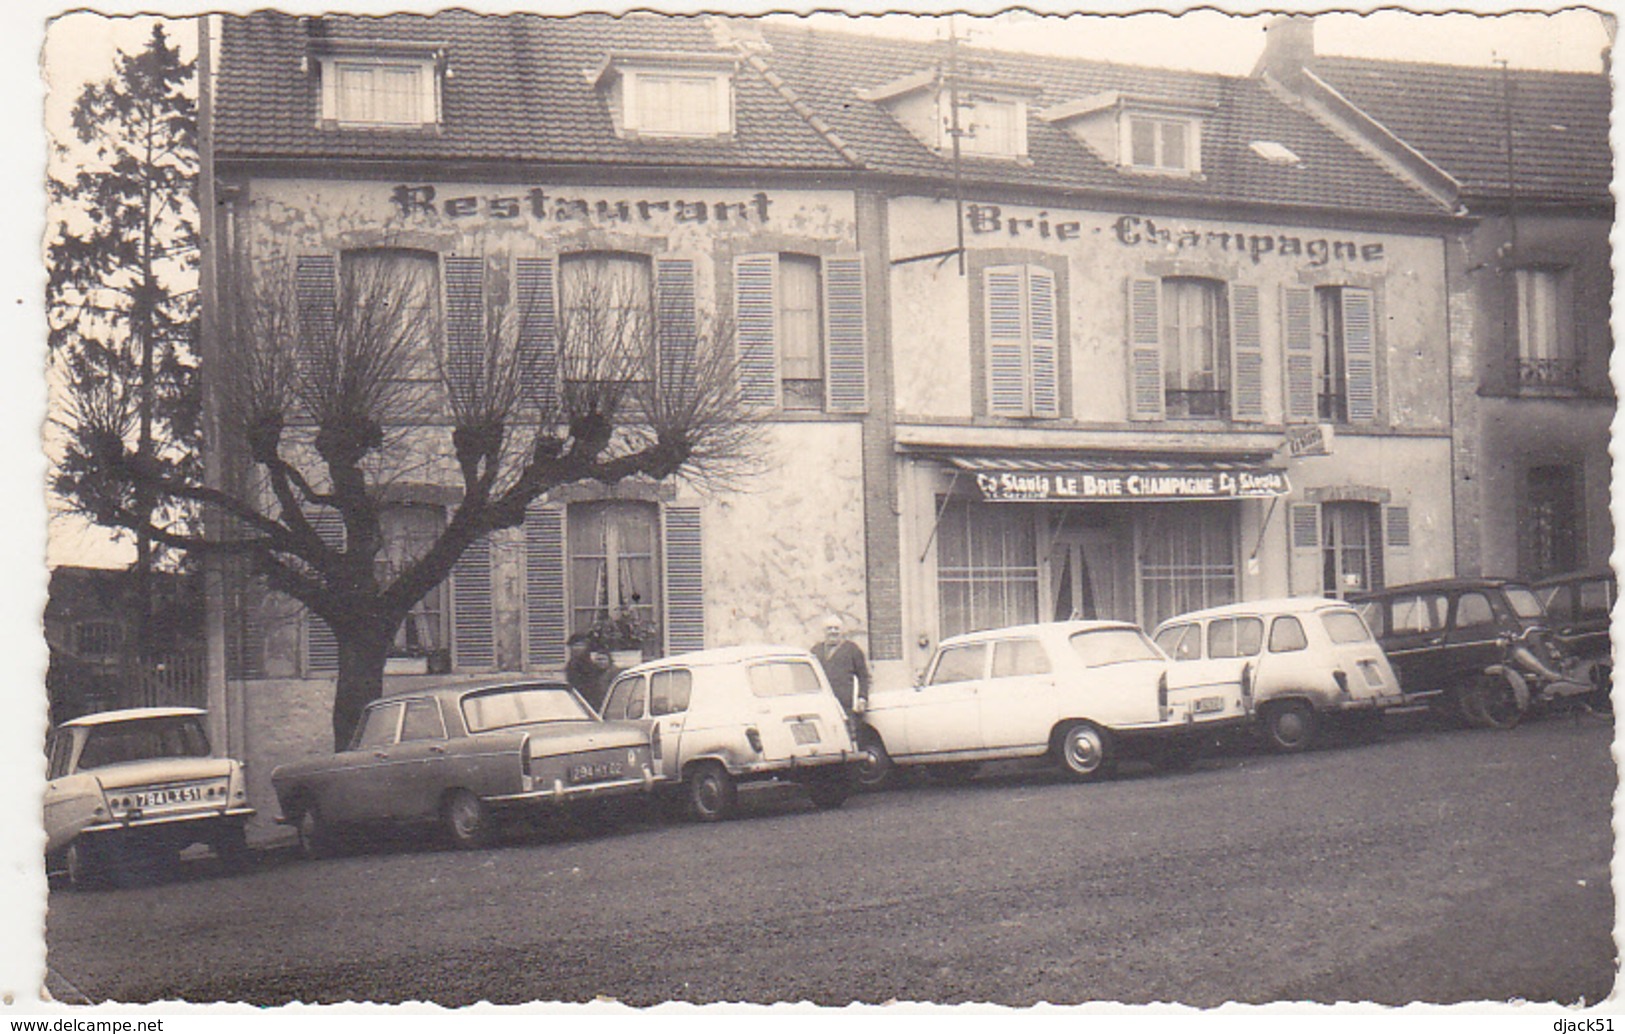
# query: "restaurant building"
{"points": [[1029, 337]]}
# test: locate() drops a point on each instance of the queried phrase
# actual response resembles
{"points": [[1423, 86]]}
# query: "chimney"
{"points": [[1289, 47]]}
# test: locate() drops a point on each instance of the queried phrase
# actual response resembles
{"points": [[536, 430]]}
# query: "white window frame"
{"points": [[637, 118], [334, 66], [969, 144], [1160, 166]]}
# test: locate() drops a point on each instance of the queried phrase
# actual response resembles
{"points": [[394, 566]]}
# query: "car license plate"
{"points": [[1208, 705], [805, 732], [168, 795], [596, 772]]}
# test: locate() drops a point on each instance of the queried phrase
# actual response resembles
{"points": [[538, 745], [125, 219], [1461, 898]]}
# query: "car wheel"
{"points": [[711, 792], [1493, 703], [1083, 751], [316, 838], [467, 820], [1289, 727], [86, 868], [877, 770], [830, 790]]}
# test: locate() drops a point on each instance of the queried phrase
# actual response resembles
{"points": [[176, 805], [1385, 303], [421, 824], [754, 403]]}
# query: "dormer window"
{"points": [[1160, 136], [989, 126], [383, 87], [989, 114], [1161, 144], [669, 95]]}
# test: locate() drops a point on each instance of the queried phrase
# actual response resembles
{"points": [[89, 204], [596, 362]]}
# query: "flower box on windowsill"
{"points": [[406, 666]]}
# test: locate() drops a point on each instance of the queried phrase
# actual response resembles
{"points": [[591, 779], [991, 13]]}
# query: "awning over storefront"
{"points": [[1109, 479]]}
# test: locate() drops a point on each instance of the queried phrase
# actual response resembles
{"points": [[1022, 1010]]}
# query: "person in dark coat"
{"points": [[584, 676], [844, 665]]}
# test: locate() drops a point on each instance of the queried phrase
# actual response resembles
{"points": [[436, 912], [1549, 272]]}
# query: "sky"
{"points": [[77, 47]]}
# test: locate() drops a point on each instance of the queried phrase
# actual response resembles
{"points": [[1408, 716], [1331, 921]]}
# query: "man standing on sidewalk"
{"points": [[844, 665]]}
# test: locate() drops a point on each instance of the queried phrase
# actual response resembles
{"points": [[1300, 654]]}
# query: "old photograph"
{"points": [[878, 508]]}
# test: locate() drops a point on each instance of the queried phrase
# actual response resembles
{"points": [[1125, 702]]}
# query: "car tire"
{"points": [[712, 795], [877, 772], [830, 790], [1290, 727], [466, 819], [1083, 751], [1492, 703], [317, 839]]}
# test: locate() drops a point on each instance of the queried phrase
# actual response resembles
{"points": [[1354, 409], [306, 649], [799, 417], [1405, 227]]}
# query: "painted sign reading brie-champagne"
{"points": [[1142, 231], [537, 204], [1099, 484]]}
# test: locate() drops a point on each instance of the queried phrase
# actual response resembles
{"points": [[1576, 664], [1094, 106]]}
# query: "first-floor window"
{"points": [[1545, 348], [606, 321], [1351, 548], [1196, 348], [1332, 389], [1188, 560], [614, 587], [801, 332], [408, 533], [987, 567]]}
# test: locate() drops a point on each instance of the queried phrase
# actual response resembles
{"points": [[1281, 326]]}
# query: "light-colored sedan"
{"points": [[1304, 660], [129, 789], [1083, 693], [463, 756]]}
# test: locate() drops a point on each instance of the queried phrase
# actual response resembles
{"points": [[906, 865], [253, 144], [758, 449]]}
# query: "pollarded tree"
{"points": [[334, 383]]}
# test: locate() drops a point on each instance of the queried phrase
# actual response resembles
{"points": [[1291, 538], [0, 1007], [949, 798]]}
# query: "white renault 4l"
{"points": [[1082, 693], [1305, 660], [720, 717]]}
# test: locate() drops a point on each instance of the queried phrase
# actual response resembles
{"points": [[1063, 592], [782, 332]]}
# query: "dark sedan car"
{"points": [[1478, 646], [1578, 607], [463, 756]]}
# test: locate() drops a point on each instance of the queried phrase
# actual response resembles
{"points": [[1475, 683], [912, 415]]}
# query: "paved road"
{"points": [[1437, 865]]}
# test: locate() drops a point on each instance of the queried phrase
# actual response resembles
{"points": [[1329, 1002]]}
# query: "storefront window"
{"points": [[987, 567], [1188, 560]]}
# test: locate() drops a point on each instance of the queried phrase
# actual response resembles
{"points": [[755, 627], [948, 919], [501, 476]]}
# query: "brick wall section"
{"points": [[883, 551]]}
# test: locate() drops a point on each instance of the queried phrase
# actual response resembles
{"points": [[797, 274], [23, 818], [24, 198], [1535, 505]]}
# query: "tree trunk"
{"points": [[362, 650]]}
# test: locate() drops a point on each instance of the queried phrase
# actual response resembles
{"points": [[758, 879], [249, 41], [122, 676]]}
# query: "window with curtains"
{"points": [[1350, 548], [606, 317], [1546, 355], [1162, 144], [1332, 395], [1187, 560], [408, 532], [388, 92], [1195, 348], [800, 330], [987, 567], [1021, 338], [614, 567], [1330, 354]]}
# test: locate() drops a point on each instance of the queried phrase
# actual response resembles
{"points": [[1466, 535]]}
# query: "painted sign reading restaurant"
{"points": [[1132, 230], [1115, 485], [537, 204]]}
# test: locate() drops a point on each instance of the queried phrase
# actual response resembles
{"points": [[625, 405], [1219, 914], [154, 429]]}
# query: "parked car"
{"points": [[1578, 607], [1478, 647], [132, 788], [1083, 693], [737, 714], [465, 756], [1305, 661]]}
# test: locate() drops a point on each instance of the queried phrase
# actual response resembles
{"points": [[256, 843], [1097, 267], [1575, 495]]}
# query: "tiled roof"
{"points": [[1457, 117], [518, 92]]}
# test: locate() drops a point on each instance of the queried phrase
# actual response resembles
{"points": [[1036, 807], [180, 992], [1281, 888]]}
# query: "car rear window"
{"points": [[527, 705], [783, 679], [1103, 646], [1345, 626], [114, 743], [1523, 602], [1013, 657], [1286, 635]]}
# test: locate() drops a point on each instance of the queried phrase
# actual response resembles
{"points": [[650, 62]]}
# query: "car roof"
{"points": [[461, 686], [1278, 605], [1574, 576], [1439, 585], [1039, 629], [131, 714], [724, 655]]}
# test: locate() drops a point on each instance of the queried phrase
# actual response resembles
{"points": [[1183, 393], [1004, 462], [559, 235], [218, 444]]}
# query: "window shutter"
{"points": [[473, 641], [465, 345], [1298, 339], [316, 293], [1145, 349], [545, 622], [1399, 526], [846, 337], [756, 317], [1360, 353], [1005, 321], [1044, 340], [538, 336], [677, 332], [1306, 573], [321, 645], [1305, 526], [1246, 354], [685, 581]]}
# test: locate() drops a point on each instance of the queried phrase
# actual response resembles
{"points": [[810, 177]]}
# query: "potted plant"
{"points": [[626, 637]]}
